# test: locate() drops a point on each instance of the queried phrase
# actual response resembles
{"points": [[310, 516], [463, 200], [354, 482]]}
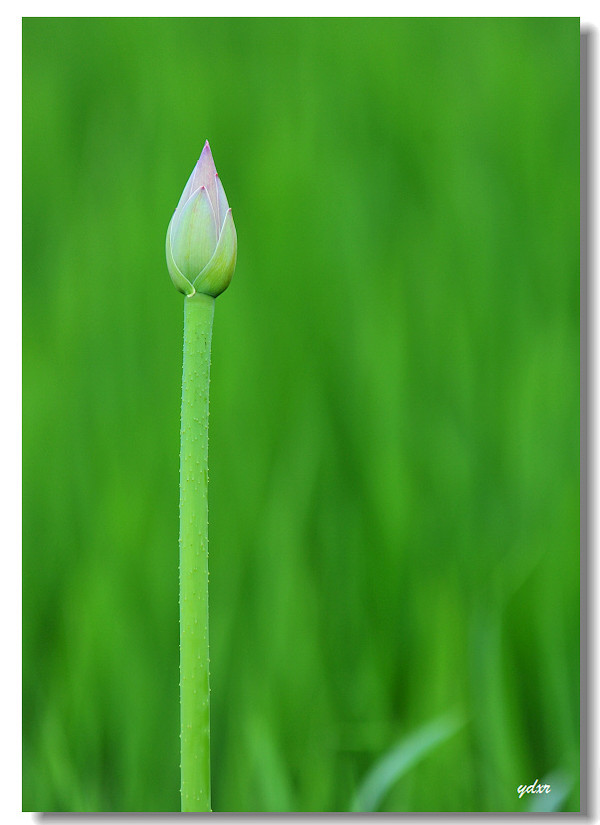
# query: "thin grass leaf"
{"points": [[561, 785], [391, 767]]}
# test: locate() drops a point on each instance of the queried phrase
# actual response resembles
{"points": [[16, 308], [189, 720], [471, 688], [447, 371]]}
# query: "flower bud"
{"points": [[201, 238]]}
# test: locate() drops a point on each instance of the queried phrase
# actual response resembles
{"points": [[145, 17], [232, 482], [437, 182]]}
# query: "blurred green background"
{"points": [[394, 409]]}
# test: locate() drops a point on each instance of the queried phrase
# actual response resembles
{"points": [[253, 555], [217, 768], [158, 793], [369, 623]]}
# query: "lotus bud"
{"points": [[201, 238]]}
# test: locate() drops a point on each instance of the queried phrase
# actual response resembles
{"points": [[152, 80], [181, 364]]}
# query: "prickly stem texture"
{"points": [[193, 556]]}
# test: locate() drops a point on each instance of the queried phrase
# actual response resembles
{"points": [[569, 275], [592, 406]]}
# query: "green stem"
{"points": [[193, 558]]}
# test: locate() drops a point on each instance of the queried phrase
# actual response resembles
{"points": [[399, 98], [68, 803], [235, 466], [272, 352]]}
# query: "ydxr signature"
{"points": [[535, 788]]}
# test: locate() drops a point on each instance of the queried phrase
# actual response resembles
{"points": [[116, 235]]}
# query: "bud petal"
{"points": [[194, 236], [223, 206], [179, 280], [217, 274], [205, 175]]}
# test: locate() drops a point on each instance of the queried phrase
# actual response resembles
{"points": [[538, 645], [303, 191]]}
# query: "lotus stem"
{"points": [[193, 558]]}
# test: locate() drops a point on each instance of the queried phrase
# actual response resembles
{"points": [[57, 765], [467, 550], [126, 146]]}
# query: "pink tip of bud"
{"points": [[205, 151]]}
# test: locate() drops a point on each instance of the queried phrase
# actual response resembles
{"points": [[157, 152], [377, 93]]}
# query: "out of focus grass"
{"points": [[394, 408]]}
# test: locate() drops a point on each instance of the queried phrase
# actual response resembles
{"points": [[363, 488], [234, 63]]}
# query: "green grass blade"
{"points": [[561, 786], [400, 759]]}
